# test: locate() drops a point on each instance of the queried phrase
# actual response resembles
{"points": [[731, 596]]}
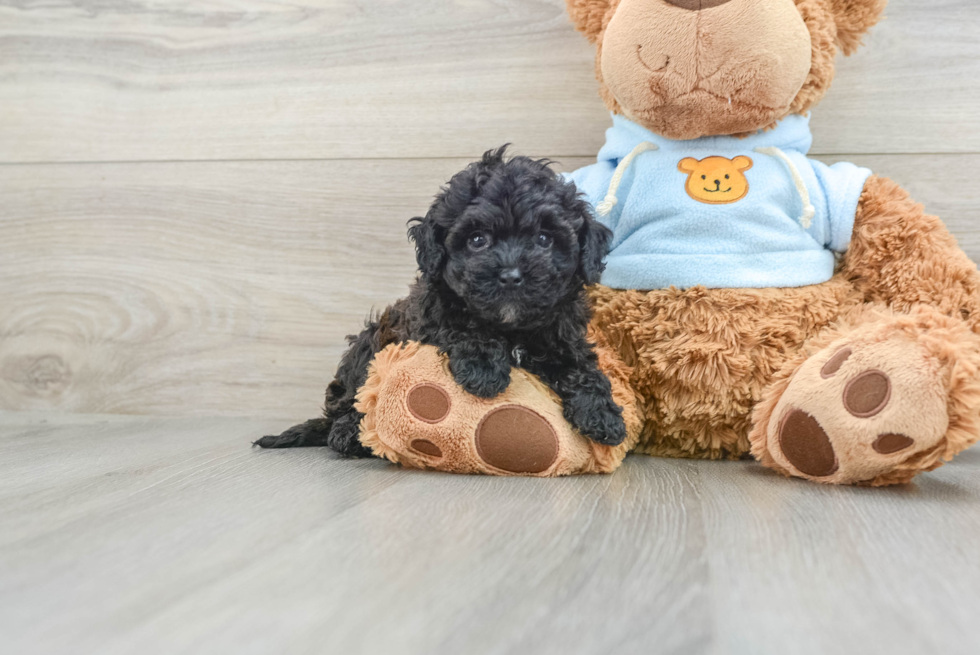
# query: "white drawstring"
{"points": [[809, 211], [605, 207]]}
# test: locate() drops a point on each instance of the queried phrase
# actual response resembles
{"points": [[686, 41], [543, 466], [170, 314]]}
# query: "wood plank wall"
{"points": [[199, 200]]}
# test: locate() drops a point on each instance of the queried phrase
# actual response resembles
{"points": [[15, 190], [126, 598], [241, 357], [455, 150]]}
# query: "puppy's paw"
{"points": [[345, 437], [342, 435], [284, 440], [313, 433], [597, 418], [482, 378]]}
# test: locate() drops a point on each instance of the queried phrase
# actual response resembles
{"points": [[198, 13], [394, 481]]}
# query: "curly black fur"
{"points": [[504, 255]]}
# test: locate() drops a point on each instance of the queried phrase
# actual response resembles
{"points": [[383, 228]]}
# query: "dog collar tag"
{"points": [[518, 355]]}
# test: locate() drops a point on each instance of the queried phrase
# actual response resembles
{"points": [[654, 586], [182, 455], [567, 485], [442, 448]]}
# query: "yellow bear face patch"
{"points": [[716, 180]]}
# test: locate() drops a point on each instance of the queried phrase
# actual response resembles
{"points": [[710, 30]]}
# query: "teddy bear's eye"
{"points": [[726, 177], [704, 177]]}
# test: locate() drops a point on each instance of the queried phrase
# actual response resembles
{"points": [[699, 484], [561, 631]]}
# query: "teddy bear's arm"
{"points": [[901, 256]]}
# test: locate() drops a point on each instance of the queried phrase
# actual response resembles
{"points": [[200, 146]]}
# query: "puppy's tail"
{"points": [[311, 434]]}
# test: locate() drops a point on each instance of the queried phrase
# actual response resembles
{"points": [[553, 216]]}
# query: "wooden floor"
{"points": [[150, 535]]}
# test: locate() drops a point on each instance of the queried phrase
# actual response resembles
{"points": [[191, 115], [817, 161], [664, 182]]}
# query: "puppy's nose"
{"points": [[511, 277]]}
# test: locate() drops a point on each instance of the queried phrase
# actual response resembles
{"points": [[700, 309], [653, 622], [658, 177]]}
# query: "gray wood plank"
{"points": [[250, 79], [227, 289], [842, 569], [123, 534], [233, 279]]}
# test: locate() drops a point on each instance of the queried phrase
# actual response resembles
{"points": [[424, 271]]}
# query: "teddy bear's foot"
{"points": [[417, 416], [876, 407]]}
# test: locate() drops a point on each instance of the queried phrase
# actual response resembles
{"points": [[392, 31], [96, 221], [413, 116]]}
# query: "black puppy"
{"points": [[504, 253]]}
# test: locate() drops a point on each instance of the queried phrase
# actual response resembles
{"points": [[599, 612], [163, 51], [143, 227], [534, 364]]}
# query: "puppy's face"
{"points": [[511, 239], [512, 258]]}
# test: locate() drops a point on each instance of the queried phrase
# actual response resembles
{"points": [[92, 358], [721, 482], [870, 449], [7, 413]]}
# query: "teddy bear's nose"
{"points": [[696, 5]]}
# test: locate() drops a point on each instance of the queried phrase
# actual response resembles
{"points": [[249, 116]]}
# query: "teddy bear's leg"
{"points": [[701, 358], [416, 415], [874, 400]]}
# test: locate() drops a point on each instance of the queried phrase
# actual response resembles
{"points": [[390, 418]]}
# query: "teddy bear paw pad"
{"points": [[428, 403], [426, 447], [856, 413], [868, 394], [517, 440], [807, 446]]}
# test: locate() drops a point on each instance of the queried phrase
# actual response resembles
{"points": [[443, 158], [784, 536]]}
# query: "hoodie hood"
{"points": [[792, 134]]}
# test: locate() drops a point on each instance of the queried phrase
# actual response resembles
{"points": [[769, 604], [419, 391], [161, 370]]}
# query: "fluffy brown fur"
{"points": [[702, 358], [853, 19], [823, 48], [590, 16], [901, 256]]}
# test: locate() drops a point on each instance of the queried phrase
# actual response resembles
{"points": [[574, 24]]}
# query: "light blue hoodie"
{"points": [[689, 228]]}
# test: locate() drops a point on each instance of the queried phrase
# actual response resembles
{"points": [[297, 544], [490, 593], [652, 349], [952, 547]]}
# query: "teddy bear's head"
{"points": [[691, 68]]}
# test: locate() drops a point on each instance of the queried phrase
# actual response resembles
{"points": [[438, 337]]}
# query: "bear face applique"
{"points": [[716, 180]]}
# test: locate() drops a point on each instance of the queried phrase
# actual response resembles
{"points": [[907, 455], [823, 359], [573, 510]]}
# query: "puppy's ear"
{"points": [[594, 239], [429, 233], [429, 251]]}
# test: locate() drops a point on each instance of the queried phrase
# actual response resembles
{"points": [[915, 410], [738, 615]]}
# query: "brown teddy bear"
{"points": [[755, 300]]}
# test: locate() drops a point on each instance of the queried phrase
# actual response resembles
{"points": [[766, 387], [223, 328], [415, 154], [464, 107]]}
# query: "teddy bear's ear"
{"points": [[588, 16], [854, 18], [688, 165], [742, 163]]}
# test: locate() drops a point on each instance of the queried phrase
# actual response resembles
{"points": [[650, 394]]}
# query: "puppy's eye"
{"points": [[545, 240], [478, 241]]}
